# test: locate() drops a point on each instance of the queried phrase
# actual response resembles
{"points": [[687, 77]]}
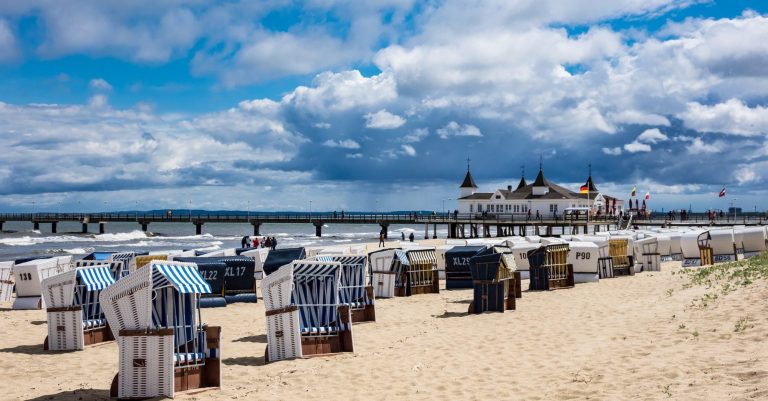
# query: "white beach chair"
{"points": [[585, 258], [753, 241], [75, 318], [6, 281], [304, 316], [381, 273], [164, 347], [648, 253], [28, 277]]}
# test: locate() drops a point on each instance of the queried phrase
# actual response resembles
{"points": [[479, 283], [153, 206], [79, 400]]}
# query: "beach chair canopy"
{"points": [[116, 267], [95, 278], [149, 295], [316, 293], [282, 257], [352, 280]]}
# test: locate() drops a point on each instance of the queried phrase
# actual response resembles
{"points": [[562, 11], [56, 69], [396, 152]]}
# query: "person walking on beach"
{"points": [[381, 239], [410, 237], [256, 242], [244, 242], [402, 235], [274, 243], [268, 242]]}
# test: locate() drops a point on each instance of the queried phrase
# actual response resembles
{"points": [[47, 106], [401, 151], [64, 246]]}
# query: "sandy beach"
{"points": [[641, 337]]}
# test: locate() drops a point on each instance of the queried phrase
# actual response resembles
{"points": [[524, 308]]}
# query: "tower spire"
{"points": [[468, 160], [539, 162]]}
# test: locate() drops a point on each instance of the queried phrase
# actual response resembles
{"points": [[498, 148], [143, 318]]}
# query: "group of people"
{"points": [[255, 242]]}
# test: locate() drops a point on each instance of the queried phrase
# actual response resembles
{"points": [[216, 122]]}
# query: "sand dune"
{"points": [[624, 338]]}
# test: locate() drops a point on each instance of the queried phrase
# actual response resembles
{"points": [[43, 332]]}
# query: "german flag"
{"points": [[584, 189]]}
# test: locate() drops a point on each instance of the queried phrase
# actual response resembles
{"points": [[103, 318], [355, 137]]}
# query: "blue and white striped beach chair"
{"points": [[164, 347], [304, 314], [75, 318], [117, 267], [352, 290]]}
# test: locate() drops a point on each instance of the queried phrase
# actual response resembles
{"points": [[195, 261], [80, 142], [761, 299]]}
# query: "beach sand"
{"points": [[624, 338]]}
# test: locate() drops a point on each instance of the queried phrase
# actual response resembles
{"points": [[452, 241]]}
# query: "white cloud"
{"points": [[409, 150], [698, 146], [730, 117], [354, 155], [746, 174], [8, 44], [336, 92], [344, 144], [635, 147], [322, 125], [652, 136], [612, 151], [638, 117], [455, 129], [100, 84], [383, 119], [416, 135]]}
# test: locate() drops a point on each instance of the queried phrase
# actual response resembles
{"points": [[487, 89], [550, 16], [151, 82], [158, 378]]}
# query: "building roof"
{"points": [[469, 182], [525, 192], [540, 180], [591, 185], [522, 183]]}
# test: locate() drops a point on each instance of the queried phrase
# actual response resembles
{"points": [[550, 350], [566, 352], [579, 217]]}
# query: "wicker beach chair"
{"points": [[143, 260], [304, 316], [28, 277], [494, 283], [164, 346], [717, 246], [419, 273], [550, 269], [6, 281], [75, 318], [353, 290], [281, 257], [622, 263]]}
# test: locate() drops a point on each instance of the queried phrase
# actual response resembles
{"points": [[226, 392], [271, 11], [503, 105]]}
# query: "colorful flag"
{"points": [[722, 193], [584, 189], [647, 195], [634, 191]]}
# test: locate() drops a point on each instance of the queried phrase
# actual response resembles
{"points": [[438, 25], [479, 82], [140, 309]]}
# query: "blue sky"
{"points": [[358, 105]]}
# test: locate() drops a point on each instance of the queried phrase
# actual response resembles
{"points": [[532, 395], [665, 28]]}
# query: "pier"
{"points": [[458, 225]]}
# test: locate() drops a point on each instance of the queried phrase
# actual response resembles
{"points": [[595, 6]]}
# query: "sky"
{"points": [[377, 105]]}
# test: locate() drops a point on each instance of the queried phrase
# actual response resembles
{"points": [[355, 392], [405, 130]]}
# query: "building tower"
{"points": [[468, 186], [522, 178], [540, 185]]}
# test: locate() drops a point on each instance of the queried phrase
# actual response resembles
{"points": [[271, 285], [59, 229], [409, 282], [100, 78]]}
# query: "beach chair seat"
{"points": [[494, 282], [457, 270], [164, 346], [304, 313], [75, 318], [549, 268], [621, 262]]}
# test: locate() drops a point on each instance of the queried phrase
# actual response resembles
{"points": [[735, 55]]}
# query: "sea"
{"points": [[19, 240]]}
